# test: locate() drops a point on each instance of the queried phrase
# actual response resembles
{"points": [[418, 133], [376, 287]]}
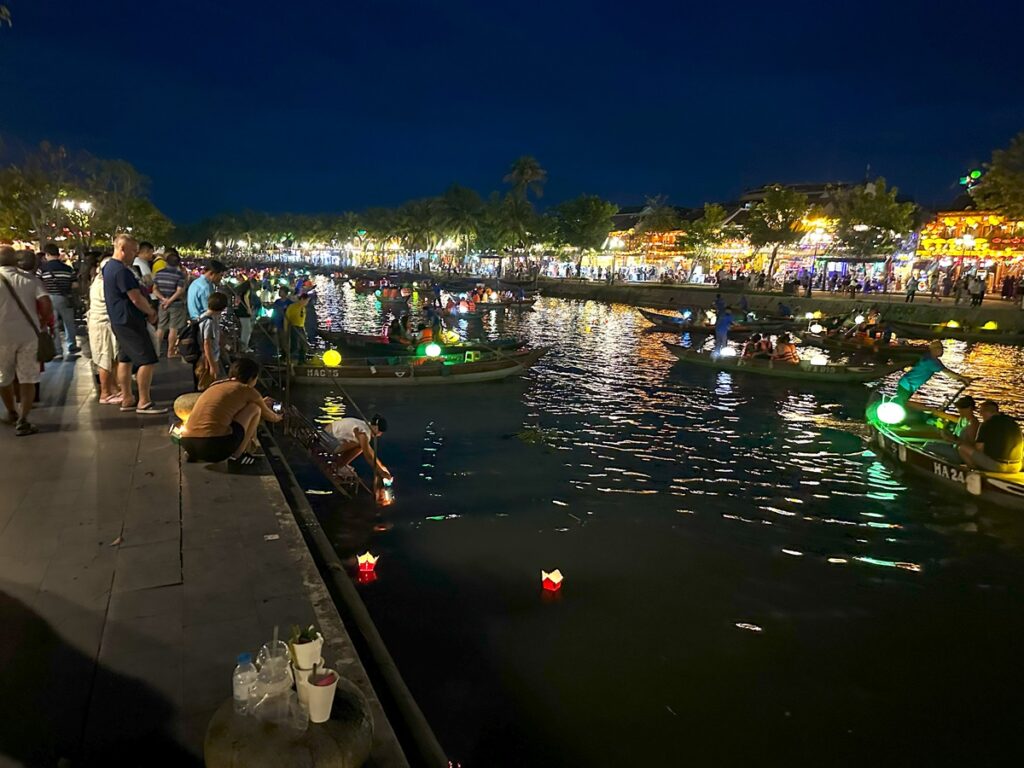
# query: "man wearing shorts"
{"points": [[169, 288], [129, 310], [19, 340], [224, 419]]}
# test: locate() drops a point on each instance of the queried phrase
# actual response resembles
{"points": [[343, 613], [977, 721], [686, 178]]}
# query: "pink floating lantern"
{"points": [[552, 582], [367, 562]]}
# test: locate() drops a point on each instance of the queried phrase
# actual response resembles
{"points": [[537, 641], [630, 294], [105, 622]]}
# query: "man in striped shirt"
{"points": [[59, 279]]}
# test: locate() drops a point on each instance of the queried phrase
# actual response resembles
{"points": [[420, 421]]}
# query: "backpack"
{"points": [[190, 342]]}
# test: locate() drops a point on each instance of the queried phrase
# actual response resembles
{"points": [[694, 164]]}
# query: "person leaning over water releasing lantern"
{"points": [[354, 438]]}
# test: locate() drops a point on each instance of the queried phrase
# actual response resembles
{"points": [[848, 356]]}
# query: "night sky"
{"points": [[321, 106]]}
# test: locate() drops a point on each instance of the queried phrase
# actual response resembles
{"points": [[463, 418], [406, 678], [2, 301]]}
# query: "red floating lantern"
{"points": [[552, 582], [367, 562], [366, 577]]}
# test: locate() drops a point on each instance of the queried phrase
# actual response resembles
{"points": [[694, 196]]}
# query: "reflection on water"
{"points": [[742, 577]]}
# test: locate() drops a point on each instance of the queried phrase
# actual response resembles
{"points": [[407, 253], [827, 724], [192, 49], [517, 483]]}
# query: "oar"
{"points": [[955, 396]]}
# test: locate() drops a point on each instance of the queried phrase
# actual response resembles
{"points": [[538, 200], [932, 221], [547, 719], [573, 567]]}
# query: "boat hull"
{"points": [[925, 331], [854, 347], [803, 371], [423, 374], [1005, 490], [677, 325]]}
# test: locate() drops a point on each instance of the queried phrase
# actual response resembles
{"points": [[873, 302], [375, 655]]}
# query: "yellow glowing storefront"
{"points": [[973, 240]]}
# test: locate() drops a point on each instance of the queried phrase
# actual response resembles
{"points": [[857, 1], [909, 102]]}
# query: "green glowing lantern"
{"points": [[433, 349], [891, 413]]}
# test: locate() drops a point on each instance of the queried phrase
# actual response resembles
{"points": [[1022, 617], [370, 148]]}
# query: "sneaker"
{"points": [[150, 409], [245, 460], [24, 428]]}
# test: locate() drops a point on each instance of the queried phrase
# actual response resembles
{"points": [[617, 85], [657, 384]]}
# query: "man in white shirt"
{"points": [[19, 337], [355, 438]]}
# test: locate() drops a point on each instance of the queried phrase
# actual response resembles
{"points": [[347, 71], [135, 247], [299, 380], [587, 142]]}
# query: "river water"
{"points": [[743, 579]]}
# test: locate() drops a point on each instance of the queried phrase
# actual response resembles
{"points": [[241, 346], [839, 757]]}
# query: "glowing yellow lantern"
{"points": [[332, 358], [367, 561], [991, 325]]}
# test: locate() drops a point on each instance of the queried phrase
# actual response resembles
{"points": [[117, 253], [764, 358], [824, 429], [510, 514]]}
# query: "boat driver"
{"points": [[924, 369]]}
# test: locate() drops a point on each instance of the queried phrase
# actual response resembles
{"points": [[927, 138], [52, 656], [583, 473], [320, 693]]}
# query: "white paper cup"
{"points": [[319, 698], [301, 676]]}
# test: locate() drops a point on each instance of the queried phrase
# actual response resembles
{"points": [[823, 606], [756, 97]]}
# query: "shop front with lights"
{"points": [[961, 243]]}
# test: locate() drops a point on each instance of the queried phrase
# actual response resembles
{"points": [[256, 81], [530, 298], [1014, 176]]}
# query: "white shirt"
{"points": [[97, 298], [14, 328], [344, 430]]}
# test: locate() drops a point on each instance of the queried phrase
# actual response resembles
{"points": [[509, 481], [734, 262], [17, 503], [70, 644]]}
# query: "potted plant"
{"points": [[305, 645]]}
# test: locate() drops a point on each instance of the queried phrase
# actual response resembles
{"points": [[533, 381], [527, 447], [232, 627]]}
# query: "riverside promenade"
{"points": [[130, 581]]}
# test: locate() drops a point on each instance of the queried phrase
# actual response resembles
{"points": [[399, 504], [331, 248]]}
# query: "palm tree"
{"points": [[526, 175], [459, 213]]}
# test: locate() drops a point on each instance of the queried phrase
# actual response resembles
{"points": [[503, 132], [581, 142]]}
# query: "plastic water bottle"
{"points": [[242, 681]]}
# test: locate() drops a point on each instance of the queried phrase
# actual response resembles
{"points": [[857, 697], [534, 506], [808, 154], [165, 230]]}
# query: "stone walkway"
{"points": [[130, 581]]}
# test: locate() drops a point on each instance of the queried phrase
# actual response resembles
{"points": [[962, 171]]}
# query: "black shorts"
{"points": [[134, 344], [214, 449]]}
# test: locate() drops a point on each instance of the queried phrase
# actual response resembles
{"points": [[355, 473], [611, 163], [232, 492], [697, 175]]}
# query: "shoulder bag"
{"points": [[46, 350]]}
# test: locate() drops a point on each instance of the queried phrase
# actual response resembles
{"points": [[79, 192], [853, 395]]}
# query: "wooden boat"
{"points": [[803, 371], [372, 345], [677, 324], [918, 446], [486, 306], [855, 346], [465, 368], [943, 331]]}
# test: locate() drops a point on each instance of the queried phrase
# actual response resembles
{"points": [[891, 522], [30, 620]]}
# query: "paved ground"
{"points": [[118, 654]]}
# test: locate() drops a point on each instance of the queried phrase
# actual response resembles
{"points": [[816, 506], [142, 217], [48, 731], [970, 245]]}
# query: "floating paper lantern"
{"points": [[552, 582], [366, 577], [367, 562], [332, 358], [433, 349]]}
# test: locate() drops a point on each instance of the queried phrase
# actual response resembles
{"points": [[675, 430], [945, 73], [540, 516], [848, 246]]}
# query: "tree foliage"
{"points": [[774, 220], [526, 175], [1002, 187], [584, 222], [706, 233], [48, 194], [870, 220], [658, 217]]}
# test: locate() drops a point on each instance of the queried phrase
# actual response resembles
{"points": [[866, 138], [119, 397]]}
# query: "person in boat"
{"points": [[923, 370], [784, 310], [354, 437], [398, 331], [722, 324], [785, 350], [965, 431], [719, 303], [758, 347], [424, 333], [1000, 444]]}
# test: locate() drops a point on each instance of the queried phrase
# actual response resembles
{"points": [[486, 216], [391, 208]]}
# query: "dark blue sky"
{"points": [[320, 106]]}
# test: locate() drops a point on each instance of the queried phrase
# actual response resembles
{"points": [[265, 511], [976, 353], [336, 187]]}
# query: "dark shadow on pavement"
{"points": [[48, 689]]}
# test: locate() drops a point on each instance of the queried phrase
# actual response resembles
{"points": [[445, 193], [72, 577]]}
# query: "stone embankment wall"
{"points": [[1007, 314]]}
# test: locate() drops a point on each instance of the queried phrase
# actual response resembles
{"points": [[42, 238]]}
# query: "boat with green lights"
{"points": [[463, 368], [916, 438]]}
